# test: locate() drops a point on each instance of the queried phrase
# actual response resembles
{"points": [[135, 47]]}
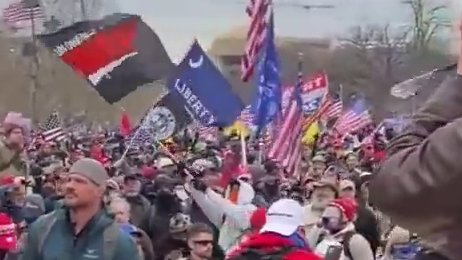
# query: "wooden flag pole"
{"points": [[243, 150]]}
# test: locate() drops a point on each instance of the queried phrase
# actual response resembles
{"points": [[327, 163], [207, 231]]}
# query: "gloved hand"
{"points": [[199, 184]]}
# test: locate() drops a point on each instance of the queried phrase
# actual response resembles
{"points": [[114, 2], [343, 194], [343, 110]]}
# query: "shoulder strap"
{"points": [[346, 243], [46, 222], [110, 237], [276, 254]]}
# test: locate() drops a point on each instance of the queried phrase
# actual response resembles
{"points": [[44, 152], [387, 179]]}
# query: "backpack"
{"points": [[255, 254], [110, 235], [346, 243]]}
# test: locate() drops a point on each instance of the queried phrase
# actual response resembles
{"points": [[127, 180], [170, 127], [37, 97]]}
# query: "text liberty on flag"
{"points": [[203, 91]]}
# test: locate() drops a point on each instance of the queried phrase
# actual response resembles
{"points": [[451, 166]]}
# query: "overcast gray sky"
{"points": [[178, 22]]}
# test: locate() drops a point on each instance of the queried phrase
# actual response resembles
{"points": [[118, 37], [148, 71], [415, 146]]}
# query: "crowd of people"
{"points": [[93, 197], [191, 198]]}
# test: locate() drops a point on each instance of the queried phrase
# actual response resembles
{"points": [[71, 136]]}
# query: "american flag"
{"points": [[53, 130], [204, 131], [287, 146], [369, 140], [17, 15], [334, 109], [256, 10], [354, 118], [139, 137], [323, 108], [247, 117]]}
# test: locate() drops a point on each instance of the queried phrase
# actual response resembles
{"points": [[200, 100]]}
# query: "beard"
{"points": [[166, 200], [272, 189]]}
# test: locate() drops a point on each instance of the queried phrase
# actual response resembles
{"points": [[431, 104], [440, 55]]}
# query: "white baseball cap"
{"points": [[284, 217]]}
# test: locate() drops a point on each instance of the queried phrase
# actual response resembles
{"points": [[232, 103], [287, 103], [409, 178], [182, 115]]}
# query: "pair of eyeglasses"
{"points": [[203, 242]]}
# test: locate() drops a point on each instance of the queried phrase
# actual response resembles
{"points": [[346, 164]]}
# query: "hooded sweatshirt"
{"points": [[232, 219]]}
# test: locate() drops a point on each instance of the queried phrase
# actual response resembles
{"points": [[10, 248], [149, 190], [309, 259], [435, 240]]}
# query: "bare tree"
{"points": [[426, 23], [368, 61]]}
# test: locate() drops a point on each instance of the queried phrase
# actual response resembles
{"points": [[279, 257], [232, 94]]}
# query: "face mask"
{"points": [[332, 224], [272, 188], [165, 198]]}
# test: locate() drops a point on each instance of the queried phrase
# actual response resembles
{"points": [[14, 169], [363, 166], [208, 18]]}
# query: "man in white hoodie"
{"points": [[231, 213]]}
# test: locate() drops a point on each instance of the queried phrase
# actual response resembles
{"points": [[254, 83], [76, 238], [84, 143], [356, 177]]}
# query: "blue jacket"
{"points": [[59, 242]]}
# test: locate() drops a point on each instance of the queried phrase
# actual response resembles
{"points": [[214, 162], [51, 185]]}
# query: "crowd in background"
{"points": [[191, 198]]}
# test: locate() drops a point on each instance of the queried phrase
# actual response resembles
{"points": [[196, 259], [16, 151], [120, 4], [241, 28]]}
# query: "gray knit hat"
{"points": [[91, 169]]}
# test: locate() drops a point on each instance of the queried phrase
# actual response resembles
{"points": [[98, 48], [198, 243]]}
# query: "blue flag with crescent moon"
{"points": [[205, 94]]}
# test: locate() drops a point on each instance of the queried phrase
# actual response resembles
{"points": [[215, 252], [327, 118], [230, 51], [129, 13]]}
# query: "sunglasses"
{"points": [[244, 179], [348, 189], [203, 242]]}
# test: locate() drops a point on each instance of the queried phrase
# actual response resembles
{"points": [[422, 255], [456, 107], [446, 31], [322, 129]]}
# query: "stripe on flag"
{"points": [[334, 109], [287, 146], [55, 134], [321, 111], [16, 15], [247, 117], [53, 130], [256, 10], [353, 119]]}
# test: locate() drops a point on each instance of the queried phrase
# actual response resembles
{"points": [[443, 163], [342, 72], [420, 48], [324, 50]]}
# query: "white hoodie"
{"points": [[231, 219]]}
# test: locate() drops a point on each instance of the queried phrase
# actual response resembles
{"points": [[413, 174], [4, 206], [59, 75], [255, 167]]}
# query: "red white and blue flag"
{"points": [[354, 118], [333, 110], [313, 93], [17, 15], [257, 11], [286, 148]]}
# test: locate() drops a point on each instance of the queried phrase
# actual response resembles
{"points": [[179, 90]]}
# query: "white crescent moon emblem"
{"points": [[196, 64]]}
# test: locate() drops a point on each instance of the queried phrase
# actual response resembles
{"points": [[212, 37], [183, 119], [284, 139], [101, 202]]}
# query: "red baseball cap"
{"points": [[8, 238]]}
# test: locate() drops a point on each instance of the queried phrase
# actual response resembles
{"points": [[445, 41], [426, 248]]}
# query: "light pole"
{"points": [[83, 10], [34, 66]]}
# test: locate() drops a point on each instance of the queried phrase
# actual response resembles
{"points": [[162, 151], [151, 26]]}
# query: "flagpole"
{"points": [[243, 149], [341, 93], [83, 10], [300, 66], [34, 66]]}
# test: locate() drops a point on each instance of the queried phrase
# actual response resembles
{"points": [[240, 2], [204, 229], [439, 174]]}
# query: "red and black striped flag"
{"points": [[115, 54]]}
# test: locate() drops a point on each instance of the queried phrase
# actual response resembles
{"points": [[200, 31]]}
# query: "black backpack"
{"points": [[255, 254], [346, 243]]}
